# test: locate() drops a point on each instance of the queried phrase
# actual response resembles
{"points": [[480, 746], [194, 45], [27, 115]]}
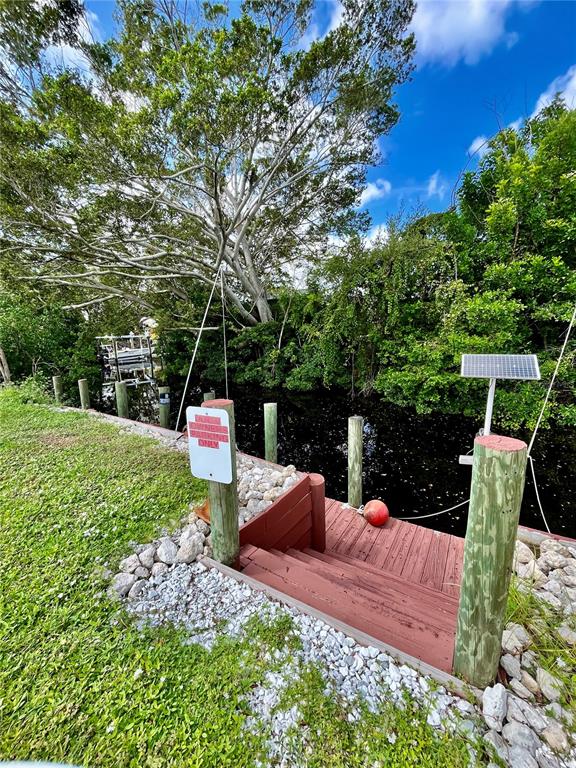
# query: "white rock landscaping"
{"points": [[259, 485], [199, 599], [535, 731]]}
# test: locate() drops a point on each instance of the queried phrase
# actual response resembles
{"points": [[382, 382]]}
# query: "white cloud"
{"points": [[436, 187], [65, 55], [450, 30], [565, 85], [376, 233], [336, 16], [479, 146], [375, 190]]}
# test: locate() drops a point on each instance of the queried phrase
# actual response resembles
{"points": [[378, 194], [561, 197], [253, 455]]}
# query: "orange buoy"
{"points": [[376, 513]]}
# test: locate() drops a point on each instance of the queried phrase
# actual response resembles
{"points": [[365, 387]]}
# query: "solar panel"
{"points": [[500, 367]]}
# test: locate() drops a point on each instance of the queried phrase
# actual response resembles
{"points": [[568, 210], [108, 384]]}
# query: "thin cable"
{"points": [[538, 495], [196, 346], [538, 422], [435, 514], [224, 331], [553, 379]]}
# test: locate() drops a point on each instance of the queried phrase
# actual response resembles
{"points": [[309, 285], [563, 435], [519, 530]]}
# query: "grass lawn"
{"points": [[78, 682]]}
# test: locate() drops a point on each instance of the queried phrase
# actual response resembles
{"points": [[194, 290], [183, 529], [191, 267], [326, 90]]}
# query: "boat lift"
{"points": [[127, 358]]}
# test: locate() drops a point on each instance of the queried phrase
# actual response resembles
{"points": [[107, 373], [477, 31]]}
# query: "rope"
{"points": [[435, 514], [541, 415], [553, 379], [196, 346], [537, 494], [224, 330]]}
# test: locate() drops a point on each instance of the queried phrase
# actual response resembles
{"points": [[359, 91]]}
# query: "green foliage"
{"points": [[495, 275], [391, 737], [33, 389], [197, 135]]}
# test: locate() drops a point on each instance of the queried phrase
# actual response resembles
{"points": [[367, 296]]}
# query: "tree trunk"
{"points": [[264, 310], [4, 368]]}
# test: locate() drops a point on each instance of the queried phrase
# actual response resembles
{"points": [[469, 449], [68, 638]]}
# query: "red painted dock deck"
{"points": [[418, 555], [400, 583]]}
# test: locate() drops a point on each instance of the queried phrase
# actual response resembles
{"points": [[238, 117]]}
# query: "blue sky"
{"points": [[481, 65]]}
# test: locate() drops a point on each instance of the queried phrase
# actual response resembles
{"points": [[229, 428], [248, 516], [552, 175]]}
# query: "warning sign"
{"points": [[209, 444]]}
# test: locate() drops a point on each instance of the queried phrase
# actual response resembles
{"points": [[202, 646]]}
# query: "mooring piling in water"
{"points": [[355, 435], [84, 393], [224, 499], [498, 474], [121, 391], [164, 406], [58, 390], [271, 432]]}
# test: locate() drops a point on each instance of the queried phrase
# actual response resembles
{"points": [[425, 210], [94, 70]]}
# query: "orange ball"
{"points": [[376, 513]]}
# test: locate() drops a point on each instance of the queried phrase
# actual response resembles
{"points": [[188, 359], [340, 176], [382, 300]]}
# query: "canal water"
{"points": [[410, 460]]}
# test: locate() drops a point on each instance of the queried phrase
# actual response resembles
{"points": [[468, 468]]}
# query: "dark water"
{"points": [[410, 460]]}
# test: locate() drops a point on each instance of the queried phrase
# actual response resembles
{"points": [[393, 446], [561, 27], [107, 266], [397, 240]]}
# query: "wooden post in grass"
{"points": [[355, 435], [57, 384], [121, 398], [271, 432], [209, 395], [224, 500], [84, 393], [164, 406], [498, 474]]}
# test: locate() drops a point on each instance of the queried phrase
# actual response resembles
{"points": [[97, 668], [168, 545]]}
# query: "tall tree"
{"points": [[199, 140]]}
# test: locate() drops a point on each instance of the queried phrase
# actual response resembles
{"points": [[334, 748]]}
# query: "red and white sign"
{"points": [[209, 444]]}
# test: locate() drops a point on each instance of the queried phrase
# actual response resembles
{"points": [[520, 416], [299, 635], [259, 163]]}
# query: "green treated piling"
{"points": [[224, 501], [121, 398], [58, 390], [164, 406], [209, 395], [355, 435], [498, 474], [84, 393], [271, 432]]}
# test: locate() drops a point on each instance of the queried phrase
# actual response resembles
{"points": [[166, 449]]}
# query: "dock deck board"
{"points": [[419, 555]]}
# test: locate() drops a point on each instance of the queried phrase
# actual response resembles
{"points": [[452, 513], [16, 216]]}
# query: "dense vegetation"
{"points": [[80, 683], [196, 144], [496, 273]]}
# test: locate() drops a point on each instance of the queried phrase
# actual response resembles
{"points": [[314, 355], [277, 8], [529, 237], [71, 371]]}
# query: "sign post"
{"points": [[212, 449]]}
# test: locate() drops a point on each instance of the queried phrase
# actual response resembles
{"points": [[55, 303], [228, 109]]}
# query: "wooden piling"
{"points": [[121, 398], [164, 406], [84, 393], [224, 501], [498, 474], [355, 435], [209, 395], [271, 432], [318, 497], [58, 390]]}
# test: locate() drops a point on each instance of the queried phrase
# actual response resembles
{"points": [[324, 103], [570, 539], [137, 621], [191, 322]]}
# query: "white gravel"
{"points": [[200, 599]]}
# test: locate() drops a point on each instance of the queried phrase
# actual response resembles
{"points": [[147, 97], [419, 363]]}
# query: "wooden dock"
{"points": [[399, 583]]}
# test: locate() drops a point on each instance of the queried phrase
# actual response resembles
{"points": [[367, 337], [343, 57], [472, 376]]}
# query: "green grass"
{"points": [[552, 652], [78, 682]]}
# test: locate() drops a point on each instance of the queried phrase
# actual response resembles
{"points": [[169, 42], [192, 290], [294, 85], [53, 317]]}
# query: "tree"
{"points": [[198, 141]]}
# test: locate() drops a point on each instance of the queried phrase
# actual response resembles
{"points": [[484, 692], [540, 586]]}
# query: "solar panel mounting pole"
{"points": [[489, 407]]}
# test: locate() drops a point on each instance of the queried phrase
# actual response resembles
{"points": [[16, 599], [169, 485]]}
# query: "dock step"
{"points": [[411, 617]]}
